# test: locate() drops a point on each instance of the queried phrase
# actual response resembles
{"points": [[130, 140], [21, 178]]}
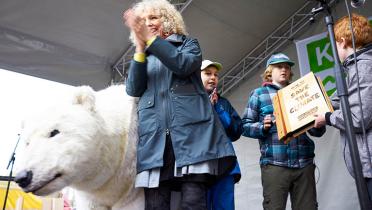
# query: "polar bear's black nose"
{"points": [[23, 178]]}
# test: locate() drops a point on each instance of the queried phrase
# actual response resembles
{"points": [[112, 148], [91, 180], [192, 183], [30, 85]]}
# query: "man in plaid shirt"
{"points": [[285, 168]]}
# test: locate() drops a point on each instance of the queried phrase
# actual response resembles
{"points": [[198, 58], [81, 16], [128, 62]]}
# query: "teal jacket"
{"points": [[173, 102]]}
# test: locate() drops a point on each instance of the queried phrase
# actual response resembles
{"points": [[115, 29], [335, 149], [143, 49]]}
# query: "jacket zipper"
{"points": [[164, 94]]}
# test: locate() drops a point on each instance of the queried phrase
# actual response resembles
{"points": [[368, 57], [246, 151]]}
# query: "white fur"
{"points": [[95, 151]]}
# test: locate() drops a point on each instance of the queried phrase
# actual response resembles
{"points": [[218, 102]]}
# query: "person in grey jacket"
{"points": [[363, 42], [182, 143]]}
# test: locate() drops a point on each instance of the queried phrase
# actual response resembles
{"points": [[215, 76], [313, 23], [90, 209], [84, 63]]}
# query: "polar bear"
{"points": [[89, 145]]}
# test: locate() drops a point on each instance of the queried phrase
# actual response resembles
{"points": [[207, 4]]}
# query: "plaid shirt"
{"points": [[298, 153]]}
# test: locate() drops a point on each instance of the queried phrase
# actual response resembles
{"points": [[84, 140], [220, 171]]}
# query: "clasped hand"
{"points": [[138, 27]]}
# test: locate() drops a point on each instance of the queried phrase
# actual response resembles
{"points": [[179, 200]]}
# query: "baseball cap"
{"points": [[207, 63], [279, 58]]}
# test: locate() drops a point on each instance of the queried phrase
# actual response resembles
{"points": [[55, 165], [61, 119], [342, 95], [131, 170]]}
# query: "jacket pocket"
{"points": [[191, 109], [146, 115]]}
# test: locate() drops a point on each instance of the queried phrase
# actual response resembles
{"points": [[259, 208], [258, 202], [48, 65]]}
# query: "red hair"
{"points": [[361, 27]]}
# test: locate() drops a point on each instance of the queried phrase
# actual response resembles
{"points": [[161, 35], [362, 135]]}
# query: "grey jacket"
{"points": [[173, 102], [364, 62]]}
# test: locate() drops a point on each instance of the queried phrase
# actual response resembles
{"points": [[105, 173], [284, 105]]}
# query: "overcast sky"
{"points": [[22, 95]]}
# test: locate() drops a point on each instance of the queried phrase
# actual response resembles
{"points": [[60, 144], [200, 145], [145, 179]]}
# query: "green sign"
{"points": [[320, 55]]}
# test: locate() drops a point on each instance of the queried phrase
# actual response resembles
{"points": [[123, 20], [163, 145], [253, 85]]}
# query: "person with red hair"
{"points": [[358, 68]]}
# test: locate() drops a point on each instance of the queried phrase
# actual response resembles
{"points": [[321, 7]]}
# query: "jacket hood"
{"points": [[364, 53]]}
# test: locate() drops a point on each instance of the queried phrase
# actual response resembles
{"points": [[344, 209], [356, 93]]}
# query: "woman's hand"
{"points": [[137, 26]]}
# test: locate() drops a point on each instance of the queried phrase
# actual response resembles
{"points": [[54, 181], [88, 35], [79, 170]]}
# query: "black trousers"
{"points": [[167, 171], [193, 197], [369, 187], [193, 187]]}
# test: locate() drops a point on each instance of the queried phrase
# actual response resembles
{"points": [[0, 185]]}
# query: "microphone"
{"points": [[357, 3]]}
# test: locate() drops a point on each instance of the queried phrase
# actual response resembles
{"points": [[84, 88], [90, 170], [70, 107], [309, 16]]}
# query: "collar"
{"points": [[278, 85], [270, 84], [350, 59], [177, 38]]}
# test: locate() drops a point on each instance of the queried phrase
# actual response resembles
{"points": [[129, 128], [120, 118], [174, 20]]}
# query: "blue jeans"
{"points": [[221, 194]]}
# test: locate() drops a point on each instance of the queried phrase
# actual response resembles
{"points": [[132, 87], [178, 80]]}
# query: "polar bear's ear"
{"points": [[85, 96]]}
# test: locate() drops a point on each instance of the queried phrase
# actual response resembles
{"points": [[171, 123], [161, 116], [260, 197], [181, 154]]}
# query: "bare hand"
{"points": [[137, 25], [320, 120], [267, 123], [138, 28], [213, 97]]}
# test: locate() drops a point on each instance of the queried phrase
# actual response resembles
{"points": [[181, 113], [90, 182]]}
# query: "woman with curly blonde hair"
{"points": [[181, 143], [171, 19]]}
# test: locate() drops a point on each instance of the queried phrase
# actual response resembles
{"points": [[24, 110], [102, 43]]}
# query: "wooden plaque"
{"points": [[296, 104]]}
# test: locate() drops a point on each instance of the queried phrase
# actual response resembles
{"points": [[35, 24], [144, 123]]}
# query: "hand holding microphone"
{"points": [[268, 122], [213, 97]]}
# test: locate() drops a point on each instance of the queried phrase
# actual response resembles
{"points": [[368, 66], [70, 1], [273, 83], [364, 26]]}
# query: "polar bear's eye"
{"points": [[53, 133]]}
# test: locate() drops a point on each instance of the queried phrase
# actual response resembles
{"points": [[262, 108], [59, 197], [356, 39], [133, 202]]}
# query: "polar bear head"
{"points": [[67, 145]]}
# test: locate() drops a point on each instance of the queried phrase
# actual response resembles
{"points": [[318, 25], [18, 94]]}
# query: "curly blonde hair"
{"points": [[266, 76], [361, 27], [171, 18]]}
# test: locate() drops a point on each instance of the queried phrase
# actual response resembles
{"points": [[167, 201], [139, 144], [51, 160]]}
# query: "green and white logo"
{"points": [[320, 55], [315, 54]]}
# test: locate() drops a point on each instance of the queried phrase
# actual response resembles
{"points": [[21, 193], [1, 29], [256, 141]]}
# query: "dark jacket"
{"points": [[173, 101]]}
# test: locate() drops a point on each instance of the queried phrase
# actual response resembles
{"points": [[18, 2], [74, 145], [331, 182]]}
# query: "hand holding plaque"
{"points": [[296, 104]]}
